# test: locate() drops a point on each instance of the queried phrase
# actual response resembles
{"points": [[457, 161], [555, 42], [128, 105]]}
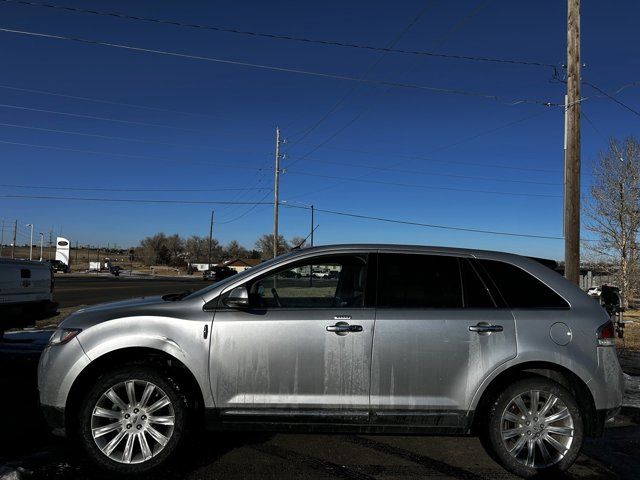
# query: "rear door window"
{"points": [[476, 293], [418, 281], [520, 289]]}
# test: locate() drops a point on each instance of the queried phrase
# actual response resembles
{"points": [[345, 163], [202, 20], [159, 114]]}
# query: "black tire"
{"points": [[492, 436], [161, 380]]}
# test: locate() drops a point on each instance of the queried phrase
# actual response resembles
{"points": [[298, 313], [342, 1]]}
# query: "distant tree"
{"points": [[613, 210], [150, 247], [234, 250], [265, 245], [175, 249], [298, 242]]}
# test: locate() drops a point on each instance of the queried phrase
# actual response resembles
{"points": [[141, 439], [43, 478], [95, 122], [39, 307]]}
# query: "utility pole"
{"points": [[50, 241], [13, 245], [30, 241], [210, 239], [2, 239], [76, 262], [572, 156], [276, 196], [41, 244], [312, 229]]}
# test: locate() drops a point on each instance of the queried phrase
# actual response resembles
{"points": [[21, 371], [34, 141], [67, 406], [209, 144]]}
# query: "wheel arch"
{"points": [[551, 371], [144, 356]]}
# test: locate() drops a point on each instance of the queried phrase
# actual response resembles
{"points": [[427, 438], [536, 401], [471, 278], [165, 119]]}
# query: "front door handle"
{"points": [[342, 328], [483, 327]]}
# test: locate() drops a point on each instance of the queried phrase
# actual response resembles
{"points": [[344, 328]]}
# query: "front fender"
{"points": [[180, 339]]}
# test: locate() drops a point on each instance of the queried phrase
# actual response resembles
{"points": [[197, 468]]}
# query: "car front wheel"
{"points": [[132, 420], [535, 428]]}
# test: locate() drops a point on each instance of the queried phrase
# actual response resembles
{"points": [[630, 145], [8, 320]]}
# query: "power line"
{"points": [[107, 102], [427, 225], [110, 137], [95, 117], [433, 174], [128, 155], [612, 98], [427, 187], [331, 212], [290, 37], [250, 209], [131, 200], [129, 189], [437, 149], [450, 91], [355, 88]]}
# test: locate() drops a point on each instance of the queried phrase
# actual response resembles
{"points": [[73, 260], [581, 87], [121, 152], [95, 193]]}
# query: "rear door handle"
{"points": [[485, 328], [343, 328]]}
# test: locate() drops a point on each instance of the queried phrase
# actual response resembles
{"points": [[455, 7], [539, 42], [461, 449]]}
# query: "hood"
{"points": [[135, 307]]}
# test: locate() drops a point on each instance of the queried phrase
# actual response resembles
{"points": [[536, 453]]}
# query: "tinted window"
{"points": [[419, 281], [476, 294], [328, 282], [520, 289]]}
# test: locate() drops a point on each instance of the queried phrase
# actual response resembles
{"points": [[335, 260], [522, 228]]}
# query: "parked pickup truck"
{"points": [[26, 288]]}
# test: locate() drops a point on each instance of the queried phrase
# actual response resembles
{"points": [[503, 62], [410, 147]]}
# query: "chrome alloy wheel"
{"points": [[537, 428], [132, 421]]}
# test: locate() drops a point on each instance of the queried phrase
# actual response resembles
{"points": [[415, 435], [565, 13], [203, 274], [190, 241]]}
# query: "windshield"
{"points": [[203, 292]]}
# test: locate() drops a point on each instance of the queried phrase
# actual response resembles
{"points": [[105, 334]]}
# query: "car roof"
{"points": [[417, 248]]}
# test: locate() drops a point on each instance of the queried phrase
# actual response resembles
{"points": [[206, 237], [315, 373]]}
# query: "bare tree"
{"points": [[613, 210], [300, 242], [265, 245], [234, 250]]}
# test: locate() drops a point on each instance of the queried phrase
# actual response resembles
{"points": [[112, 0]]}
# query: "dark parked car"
{"points": [[218, 273], [59, 266]]}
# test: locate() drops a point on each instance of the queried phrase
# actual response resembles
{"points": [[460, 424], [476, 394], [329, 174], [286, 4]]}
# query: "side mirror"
{"points": [[237, 298]]}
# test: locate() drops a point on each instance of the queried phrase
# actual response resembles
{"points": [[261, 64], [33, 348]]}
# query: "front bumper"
{"points": [[58, 369]]}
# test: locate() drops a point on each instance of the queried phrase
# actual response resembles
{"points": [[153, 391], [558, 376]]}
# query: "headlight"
{"points": [[63, 335]]}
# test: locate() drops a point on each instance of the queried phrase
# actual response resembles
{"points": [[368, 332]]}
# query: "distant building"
{"points": [[238, 264]]}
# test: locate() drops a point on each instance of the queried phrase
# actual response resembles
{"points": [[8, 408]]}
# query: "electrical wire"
{"points": [[128, 155], [289, 37], [107, 102], [131, 189], [110, 137], [612, 98], [433, 174], [427, 225], [442, 90], [95, 117], [426, 187], [330, 212], [355, 88], [131, 200]]}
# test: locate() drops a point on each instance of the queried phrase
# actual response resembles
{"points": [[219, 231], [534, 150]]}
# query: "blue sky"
{"points": [[214, 126]]}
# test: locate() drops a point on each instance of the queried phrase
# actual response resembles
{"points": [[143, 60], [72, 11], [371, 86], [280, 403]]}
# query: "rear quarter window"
{"points": [[520, 289]]}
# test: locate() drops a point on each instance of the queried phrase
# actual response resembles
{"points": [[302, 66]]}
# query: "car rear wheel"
{"points": [[132, 420], [535, 428]]}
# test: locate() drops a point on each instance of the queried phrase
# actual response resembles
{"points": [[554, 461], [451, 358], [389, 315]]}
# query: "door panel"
{"points": [[429, 360], [287, 359], [425, 358], [277, 357]]}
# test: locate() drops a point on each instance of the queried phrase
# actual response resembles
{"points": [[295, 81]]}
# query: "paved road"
{"points": [[73, 291]]}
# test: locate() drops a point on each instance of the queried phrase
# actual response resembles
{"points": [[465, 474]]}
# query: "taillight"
{"points": [[606, 335]]}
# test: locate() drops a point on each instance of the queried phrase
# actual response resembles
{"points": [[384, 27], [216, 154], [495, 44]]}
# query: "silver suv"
{"points": [[392, 340]]}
